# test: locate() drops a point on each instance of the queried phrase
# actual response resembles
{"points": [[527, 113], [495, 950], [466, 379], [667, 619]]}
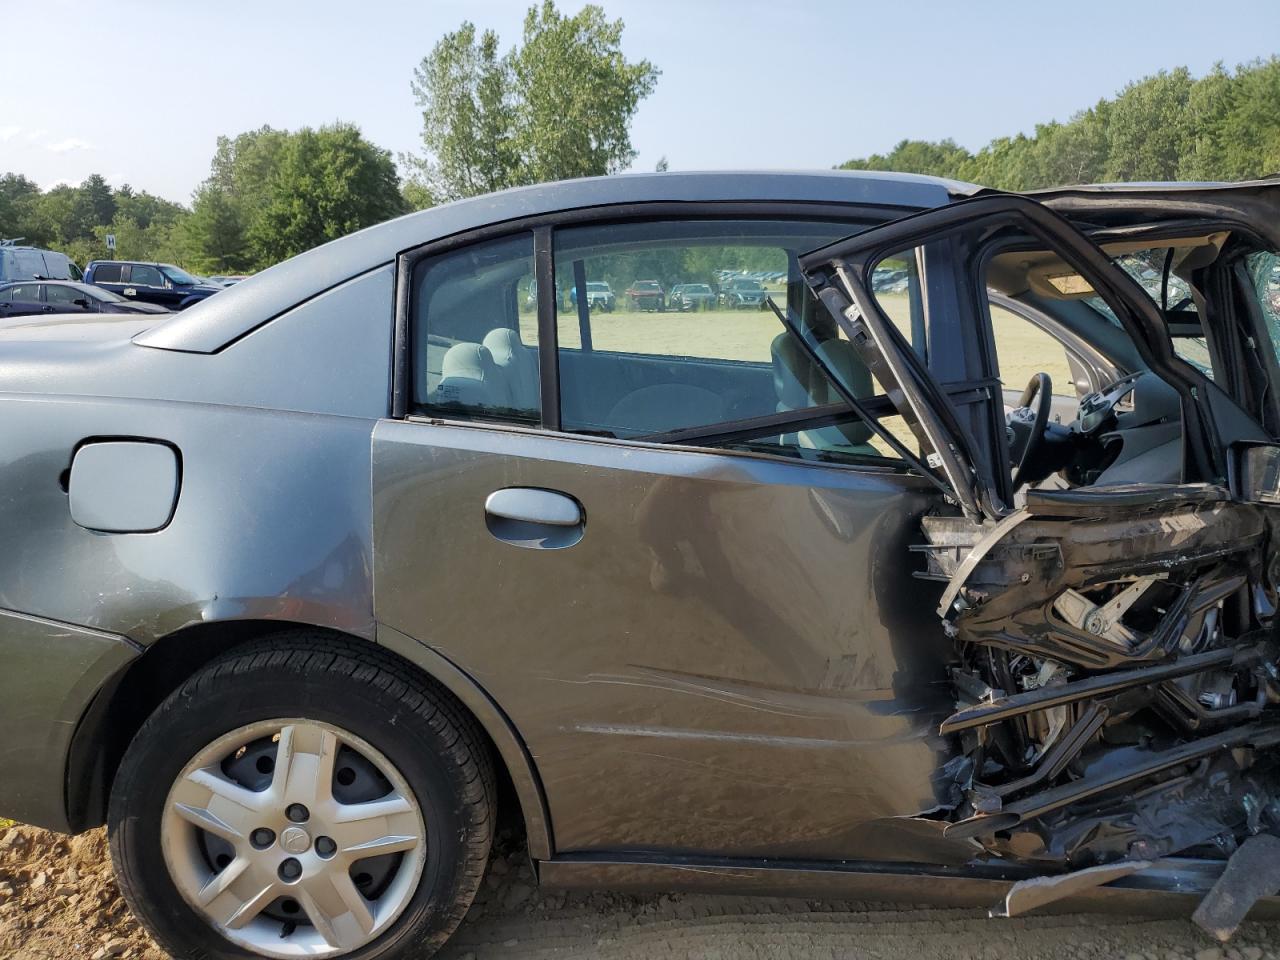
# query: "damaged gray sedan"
{"points": [[952, 575]]}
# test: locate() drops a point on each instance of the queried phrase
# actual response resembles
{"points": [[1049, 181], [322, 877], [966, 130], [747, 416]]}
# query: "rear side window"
{"points": [[659, 363], [107, 273], [475, 332], [21, 292]]}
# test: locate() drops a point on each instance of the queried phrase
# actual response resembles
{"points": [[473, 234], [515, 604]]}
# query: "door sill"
{"points": [[1172, 888]]}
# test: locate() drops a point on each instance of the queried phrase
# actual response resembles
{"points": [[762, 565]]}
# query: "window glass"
{"points": [[56, 293], [1148, 268], [895, 282], [178, 275], [107, 273], [21, 292], [73, 271], [475, 332], [689, 340], [145, 276]]}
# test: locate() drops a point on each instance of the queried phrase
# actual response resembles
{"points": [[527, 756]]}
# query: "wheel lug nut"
{"points": [[262, 838], [297, 813], [325, 847], [290, 870]]}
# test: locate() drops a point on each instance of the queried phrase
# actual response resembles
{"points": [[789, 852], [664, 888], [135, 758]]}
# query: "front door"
{"points": [[667, 549], [147, 284]]}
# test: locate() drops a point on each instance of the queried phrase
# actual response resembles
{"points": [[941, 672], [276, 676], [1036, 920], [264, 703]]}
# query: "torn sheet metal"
{"points": [[1026, 895]]}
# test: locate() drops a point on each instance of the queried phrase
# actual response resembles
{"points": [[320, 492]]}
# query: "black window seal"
{"points": [[544, 272], [400, 348], [747, 428]]}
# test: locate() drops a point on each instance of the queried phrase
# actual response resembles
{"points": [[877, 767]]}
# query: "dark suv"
{"points": [[160, 283]]}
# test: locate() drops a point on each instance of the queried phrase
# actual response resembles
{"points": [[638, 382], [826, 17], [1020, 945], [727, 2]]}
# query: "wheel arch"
{"points": [[123, 704]]}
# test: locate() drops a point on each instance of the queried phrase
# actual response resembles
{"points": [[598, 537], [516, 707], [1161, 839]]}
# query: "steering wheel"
{"points": [[1030, 424]]}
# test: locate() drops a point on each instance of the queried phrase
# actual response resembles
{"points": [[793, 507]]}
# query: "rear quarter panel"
{"points": [[272, 519]]}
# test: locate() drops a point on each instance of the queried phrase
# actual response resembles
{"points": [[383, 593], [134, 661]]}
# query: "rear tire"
{"points": [[384, 726]]}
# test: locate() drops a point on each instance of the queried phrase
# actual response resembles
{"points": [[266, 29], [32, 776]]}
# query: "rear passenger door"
{"points": [[664, 546], [20, 300], [110, 276]]}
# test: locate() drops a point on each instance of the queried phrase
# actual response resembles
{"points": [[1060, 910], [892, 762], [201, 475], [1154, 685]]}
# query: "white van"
{"points": [[32, 263]]}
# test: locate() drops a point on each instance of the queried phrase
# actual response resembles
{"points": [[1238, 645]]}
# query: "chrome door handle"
{"points": [[531, 505], [534, 518]]}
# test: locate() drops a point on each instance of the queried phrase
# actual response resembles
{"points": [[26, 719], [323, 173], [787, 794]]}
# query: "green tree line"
{"points": [[1170, 126], [270, 194]]}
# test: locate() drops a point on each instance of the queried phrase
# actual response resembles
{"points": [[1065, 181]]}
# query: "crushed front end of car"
{"points": [[1117, 644]]}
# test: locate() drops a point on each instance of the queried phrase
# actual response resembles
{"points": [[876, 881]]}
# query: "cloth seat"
{"points": [[469, 377], [517, 366]]}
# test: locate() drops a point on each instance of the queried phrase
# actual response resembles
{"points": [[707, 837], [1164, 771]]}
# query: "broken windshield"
{"points": [[1264, 274]]}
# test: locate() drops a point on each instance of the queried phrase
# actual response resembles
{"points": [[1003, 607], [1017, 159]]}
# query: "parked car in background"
{"points": [[32, 263], [599, 295], [227, 281], [691, 296], [742, 292], [531, 298], [27, 297], [159, 283], [889, 279], [646, 295]]}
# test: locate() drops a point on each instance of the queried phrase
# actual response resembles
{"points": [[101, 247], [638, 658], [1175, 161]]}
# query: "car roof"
{"points": [[44, 281], [212, 324]]}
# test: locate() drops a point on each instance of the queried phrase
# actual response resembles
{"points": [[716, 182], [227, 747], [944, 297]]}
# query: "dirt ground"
{"points": [[57, 900]]}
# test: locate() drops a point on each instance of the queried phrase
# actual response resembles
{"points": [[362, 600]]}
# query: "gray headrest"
{"points": [[469, 376]]}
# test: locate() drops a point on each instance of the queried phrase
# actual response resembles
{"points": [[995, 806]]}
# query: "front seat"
{"points": [[517, 366], [663, 407], [799, 383]]}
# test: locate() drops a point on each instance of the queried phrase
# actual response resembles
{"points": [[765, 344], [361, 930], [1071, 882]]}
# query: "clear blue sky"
{"points": [[139, 90]]}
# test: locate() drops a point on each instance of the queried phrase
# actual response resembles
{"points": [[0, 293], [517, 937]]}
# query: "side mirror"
{"points": [[81, 302], [1255, 472]]}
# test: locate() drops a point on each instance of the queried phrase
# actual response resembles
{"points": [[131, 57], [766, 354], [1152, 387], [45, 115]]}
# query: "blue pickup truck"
{"points": [[159, 283]]}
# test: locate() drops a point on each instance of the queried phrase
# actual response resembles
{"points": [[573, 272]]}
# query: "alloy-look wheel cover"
{"points": [[292, 842]]}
